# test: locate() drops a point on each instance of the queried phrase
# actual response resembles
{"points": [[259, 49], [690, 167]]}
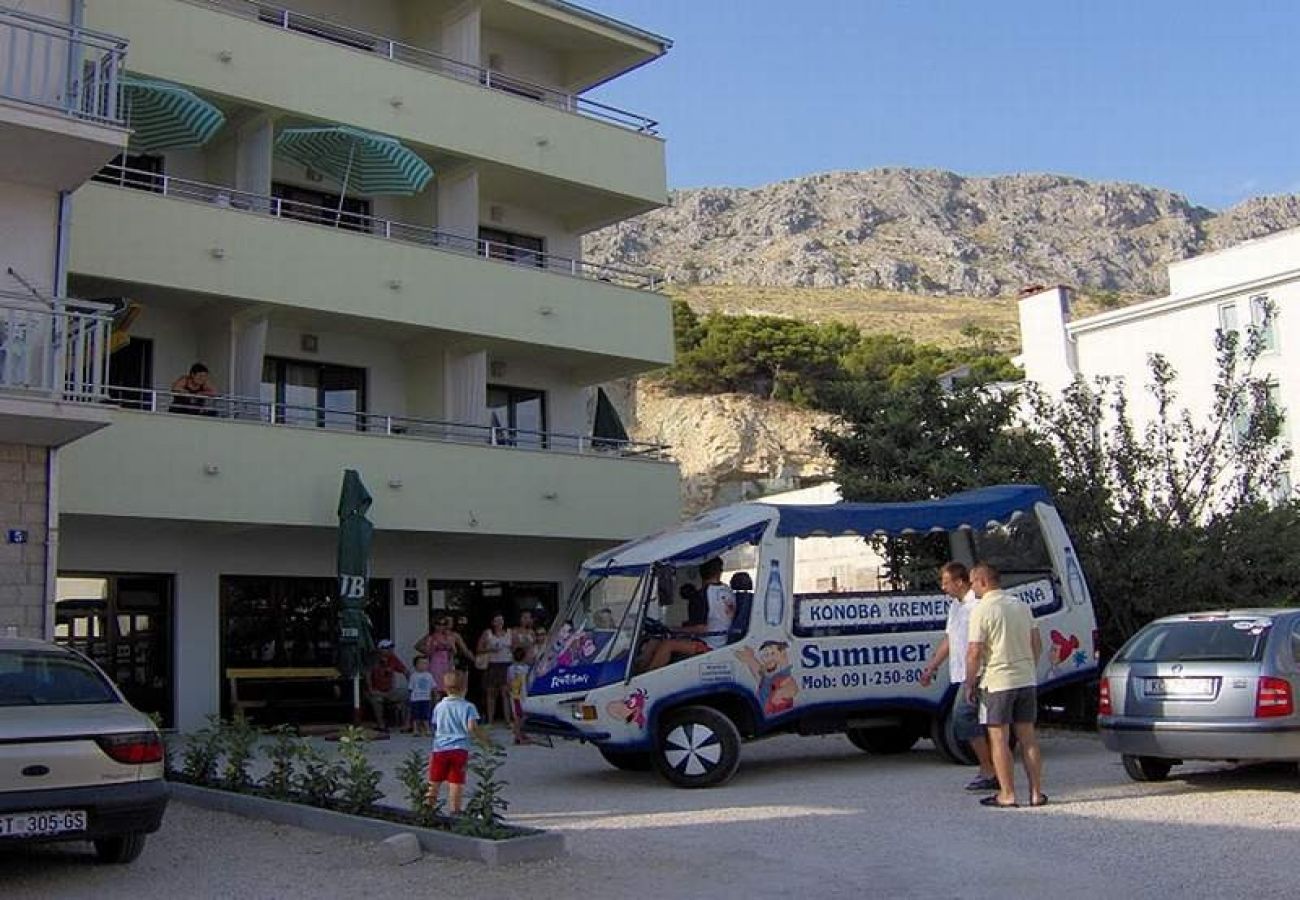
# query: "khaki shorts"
{"points": [[1017, 706]]}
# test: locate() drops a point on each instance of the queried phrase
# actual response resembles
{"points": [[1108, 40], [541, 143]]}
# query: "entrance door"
{"points": [[123, 623], [130, 373]]}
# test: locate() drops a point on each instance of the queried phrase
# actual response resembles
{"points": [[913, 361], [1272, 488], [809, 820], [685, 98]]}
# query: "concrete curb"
{"points": [[527, 848]]}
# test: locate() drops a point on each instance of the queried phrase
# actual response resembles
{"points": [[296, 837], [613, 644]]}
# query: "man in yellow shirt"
{"points": [[1004, 647]]}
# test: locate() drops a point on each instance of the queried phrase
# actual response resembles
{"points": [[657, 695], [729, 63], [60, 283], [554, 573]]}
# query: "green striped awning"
{"points": [[367, 162], [165, 116]]}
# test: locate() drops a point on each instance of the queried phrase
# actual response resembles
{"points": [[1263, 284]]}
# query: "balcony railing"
{"points": [[56, 350], [288, 415], [292, 210], [428, 60], [59, 66]]}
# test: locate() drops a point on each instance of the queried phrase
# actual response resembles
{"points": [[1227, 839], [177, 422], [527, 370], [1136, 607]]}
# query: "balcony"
{"points": [[244, 460], [263, 57], [216, 240], [60, 101], [53, 367]]}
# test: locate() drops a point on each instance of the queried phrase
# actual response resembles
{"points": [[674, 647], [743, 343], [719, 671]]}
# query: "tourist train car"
{"points": [[801, 654]]}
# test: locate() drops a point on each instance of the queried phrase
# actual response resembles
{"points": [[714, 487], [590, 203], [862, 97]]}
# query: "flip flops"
{"points": [[993, 802], [1041, 801]]}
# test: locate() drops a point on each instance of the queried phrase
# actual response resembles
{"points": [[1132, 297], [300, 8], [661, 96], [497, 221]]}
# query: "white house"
{"points": [[1225, 289]]}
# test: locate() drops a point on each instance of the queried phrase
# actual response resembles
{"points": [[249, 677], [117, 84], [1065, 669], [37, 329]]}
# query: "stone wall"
{"points": [[24, 488]]}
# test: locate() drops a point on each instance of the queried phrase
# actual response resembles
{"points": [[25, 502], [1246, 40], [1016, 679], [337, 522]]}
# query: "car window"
{"points": [[49, 678], [1227, 640]]}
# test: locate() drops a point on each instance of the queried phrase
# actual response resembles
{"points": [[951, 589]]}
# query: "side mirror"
{"points": [[665, 577]]}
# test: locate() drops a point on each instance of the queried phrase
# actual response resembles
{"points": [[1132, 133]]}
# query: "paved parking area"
{"points": [[803, 815]]}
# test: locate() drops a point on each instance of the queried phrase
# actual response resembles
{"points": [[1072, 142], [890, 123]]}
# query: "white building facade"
{"points": [[1227, 289]]}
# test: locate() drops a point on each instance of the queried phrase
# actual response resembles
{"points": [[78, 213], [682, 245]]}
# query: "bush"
{"points": [[284, 752], [202, 753], [486, 805], [238, 741], [358, 777], [413, 773], [318, 781]]}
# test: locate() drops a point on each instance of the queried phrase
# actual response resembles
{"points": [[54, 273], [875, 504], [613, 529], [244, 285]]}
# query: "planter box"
{"points": [[525, 848]]}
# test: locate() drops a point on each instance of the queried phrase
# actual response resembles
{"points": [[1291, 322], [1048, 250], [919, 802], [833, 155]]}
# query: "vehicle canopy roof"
{"points": [[706, 535]]}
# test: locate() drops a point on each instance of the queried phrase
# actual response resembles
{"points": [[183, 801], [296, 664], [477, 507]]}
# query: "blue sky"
{"points": [[1197, 97]]}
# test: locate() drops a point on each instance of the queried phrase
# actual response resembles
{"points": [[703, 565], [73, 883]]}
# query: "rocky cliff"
{"points": [[933, 232]]}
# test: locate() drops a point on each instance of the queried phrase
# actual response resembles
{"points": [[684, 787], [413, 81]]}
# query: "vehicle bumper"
{"points": [[1227, 740], [553, 727], [110, 809]]}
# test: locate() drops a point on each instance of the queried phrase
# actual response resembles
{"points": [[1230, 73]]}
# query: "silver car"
{"points": [[1207, 686], [77, 762]]}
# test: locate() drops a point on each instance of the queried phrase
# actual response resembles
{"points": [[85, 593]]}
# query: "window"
{"points": [[142, 171], [321, 207], [1266, 323], [313, 394], [1227, 317], [1208, 639], [511, 247], [517, 415], [50, 678]]}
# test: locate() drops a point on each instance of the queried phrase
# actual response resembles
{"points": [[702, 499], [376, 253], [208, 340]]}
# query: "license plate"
{"points": [[42, 822], [1179, 687]]}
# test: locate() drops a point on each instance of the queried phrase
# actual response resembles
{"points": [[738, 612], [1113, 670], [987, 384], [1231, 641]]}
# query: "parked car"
{"points": [[77, 762], [1206, 686]]}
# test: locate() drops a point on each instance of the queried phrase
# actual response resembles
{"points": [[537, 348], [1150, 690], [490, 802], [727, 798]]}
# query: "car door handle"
{"points": [[36, 771]]}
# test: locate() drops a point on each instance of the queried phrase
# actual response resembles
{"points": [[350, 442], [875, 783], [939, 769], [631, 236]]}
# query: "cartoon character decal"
{"points": [[1066, 648], [771, 668], [631, 709]]}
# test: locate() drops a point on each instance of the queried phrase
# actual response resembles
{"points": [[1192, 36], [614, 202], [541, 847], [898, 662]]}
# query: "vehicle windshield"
{"points": [[50, 678], [597, 624], [1199, 640]]}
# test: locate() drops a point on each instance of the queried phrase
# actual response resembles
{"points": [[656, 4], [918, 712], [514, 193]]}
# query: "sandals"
{"points": [[1041, 801], [993, 802]]}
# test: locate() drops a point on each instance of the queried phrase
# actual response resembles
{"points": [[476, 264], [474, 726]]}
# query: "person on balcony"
{"points": [[192, 393]]}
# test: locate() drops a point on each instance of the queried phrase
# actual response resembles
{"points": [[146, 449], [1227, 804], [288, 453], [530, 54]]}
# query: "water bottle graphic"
{"points": [[774, 598], [1074, 578]]}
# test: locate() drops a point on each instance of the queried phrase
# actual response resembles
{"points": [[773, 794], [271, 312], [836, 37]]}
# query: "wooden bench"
{"points": [[283, 673]]}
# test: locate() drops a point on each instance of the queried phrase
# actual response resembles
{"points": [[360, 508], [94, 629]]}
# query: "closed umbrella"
{"points": [[370, 163], [355, 532], [166, 116]]}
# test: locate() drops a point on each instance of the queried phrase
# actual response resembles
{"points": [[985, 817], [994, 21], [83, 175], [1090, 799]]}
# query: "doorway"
{"points": [[124, 623]]}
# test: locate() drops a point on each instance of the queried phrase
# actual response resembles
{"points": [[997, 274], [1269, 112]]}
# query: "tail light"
{"points": [[1096, 645], [133, 749], [1103, 699], [1273, 698]]}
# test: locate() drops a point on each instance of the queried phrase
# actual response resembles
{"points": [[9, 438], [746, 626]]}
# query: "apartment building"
{"points": [[426, 319], [1226, 289], [59, 123]]}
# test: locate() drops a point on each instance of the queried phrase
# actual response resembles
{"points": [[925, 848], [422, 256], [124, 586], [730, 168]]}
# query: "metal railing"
{"points": [[56, 350], [279, 208], [428, 60], [59, 66], [290, 415]]}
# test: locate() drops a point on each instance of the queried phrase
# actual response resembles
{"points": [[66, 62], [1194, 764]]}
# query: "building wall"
{"points": [[197, 558], [513, 55], [29, 218], [23, 506]]}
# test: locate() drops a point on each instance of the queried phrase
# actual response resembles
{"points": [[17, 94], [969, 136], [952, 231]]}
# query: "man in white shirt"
{"points": [[954, 578], [708, 619]]}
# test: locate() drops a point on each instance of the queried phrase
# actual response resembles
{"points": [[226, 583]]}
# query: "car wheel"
{"points": [[628, 761], [883, 741], [698, 747], [121, 849], [945, 739], [1146, 768]]}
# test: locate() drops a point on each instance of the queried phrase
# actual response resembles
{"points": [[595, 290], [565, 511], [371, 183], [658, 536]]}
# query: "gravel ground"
{"points": [[803, 814]]}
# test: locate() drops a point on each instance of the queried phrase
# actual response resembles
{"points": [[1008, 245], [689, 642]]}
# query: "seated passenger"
{"points": [[708, 618]]}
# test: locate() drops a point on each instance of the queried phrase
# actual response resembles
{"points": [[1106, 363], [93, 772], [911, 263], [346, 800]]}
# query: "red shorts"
{"points": [[448, 766]]}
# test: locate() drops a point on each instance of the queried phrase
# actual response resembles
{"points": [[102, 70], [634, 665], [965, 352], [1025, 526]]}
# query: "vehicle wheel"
{"points": [[121, 849], [627, 761], [945, 740], [698, 747], [883, 741], [1146, 768]]}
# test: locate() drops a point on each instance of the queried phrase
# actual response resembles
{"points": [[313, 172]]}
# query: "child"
{"points": [[455, 721], [517, 677], [421, 696]]}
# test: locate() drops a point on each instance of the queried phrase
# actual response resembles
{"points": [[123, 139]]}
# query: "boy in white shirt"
{"points": [[421, 697]]}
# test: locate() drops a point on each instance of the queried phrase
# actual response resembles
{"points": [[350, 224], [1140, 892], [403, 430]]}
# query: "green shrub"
{"points": [[284, 752], [238, 741], [413, 774], [358, 777], [318, 780], [202, 753], [483, 812]]}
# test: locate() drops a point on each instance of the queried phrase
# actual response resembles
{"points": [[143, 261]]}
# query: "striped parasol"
{"points": [[368, 162], [165, 116]]}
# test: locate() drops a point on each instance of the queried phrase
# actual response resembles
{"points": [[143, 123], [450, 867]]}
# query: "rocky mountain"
{"points": [[933, 232]]}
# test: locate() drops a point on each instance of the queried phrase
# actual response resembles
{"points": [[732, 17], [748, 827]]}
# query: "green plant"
{"points": [[238, 741], [285, 751], [202, 753], [358, 779], [486, 805], [170, 746], [413, 774], [318, 781]]}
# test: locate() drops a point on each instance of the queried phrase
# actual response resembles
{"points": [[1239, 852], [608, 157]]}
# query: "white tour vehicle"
{"points": [[793, 660]]}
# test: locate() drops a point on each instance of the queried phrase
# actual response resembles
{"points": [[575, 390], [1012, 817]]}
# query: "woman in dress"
{"points": [[495, 644], [441, 646], [525, 635]]}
